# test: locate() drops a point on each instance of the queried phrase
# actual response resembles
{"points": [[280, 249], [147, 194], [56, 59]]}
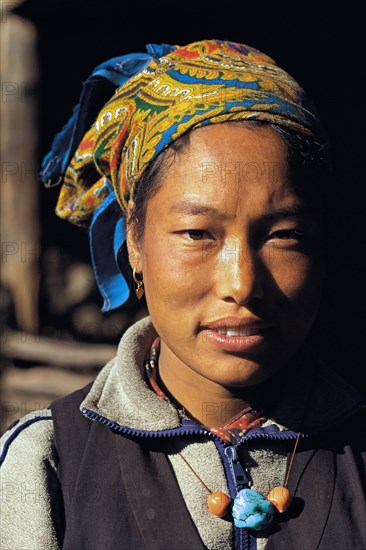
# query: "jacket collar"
{"points": [[312, 397]]}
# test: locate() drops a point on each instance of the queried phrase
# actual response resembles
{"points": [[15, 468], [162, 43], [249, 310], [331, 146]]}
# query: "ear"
{"points": [[133, 246]]}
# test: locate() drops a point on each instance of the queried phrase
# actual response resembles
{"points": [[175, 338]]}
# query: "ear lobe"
{"points": [[133, 248]]}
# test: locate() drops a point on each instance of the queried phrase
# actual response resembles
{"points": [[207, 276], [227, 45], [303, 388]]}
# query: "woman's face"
{"points": [[231, 257]]}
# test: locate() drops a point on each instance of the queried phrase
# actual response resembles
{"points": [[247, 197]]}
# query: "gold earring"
{"points": [[139, 289]]}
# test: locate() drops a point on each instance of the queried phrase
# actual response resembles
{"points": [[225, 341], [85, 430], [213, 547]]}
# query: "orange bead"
{"points": [[281, 498], [218, 503]]}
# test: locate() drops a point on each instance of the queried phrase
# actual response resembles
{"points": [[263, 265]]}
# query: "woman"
{"points": [[215, 426]]}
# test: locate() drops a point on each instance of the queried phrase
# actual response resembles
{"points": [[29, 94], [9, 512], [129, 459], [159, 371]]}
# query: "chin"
{"points": [[247, 375]]}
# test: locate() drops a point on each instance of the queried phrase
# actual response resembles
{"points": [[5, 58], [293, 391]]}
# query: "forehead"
{"points": [[229, 166]]}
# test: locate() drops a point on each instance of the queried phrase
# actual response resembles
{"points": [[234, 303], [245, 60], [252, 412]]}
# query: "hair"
{"points": [[151, 181], [309, 164]]}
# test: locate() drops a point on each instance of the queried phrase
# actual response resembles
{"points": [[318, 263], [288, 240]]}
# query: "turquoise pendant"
{"points": [[251, 510]]}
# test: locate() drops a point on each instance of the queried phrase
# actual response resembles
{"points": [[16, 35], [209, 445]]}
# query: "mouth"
{"points": [[241, 330], [238, 335]]}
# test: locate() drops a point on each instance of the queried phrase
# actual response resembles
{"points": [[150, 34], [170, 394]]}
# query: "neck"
{"points": [[209, 403]]}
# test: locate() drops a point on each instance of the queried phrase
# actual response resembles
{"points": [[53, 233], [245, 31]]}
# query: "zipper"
{"points": [[242, 540], [193, 429], [237, 471], [181, 431], [235, 474]]}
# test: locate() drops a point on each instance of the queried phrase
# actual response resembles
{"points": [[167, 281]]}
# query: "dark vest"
{"points": [[121, 494]]}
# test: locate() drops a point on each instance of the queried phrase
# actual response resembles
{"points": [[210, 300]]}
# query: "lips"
{"points": [[238, 334], [239, 326]]}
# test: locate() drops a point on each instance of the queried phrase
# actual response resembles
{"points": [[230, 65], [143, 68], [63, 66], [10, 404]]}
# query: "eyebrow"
{"points": [[197, 209], [285, 212]]}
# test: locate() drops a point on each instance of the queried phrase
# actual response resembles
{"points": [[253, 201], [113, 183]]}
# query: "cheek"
{"points": [[170, 277], [297, 276], [298, 283]]}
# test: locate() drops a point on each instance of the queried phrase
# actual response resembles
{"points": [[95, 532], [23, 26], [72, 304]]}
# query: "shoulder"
{"points": [[30, 491], [32, 435]]}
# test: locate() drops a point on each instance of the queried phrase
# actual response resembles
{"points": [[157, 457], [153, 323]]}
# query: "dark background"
{"points": [[320, 47]]}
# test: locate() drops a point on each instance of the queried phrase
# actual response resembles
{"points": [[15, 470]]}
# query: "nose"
{"points": [[240, 275]]}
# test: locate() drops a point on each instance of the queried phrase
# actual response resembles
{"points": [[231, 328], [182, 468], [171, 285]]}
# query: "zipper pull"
{"points": [[237, 470]]}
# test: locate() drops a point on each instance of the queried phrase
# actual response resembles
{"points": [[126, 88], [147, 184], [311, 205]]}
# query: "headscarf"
{"points": [[109, 142]]}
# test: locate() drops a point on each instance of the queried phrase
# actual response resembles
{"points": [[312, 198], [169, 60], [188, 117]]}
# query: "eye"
{"points": [[287, 234], [196, 234]]}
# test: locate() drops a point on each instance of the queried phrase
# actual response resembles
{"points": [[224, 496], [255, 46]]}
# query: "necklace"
{"points": [[250, 509]]}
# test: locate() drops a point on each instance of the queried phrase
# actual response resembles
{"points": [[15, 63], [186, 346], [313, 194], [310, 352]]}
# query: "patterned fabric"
{"points": [[111, 138], [203, 83], [233, 430]]}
